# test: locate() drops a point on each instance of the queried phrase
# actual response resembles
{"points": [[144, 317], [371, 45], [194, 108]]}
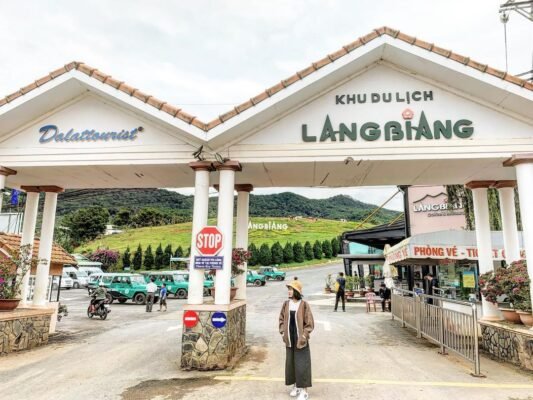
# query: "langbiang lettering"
{"points": [[51, 133], [370, 131]]}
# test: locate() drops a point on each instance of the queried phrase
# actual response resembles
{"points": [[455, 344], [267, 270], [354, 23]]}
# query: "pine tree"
{"points": [[126, 258], [308, 251], [159, 257], [334, 247], [265, 255], [167, 255], [277, 253], [288, 253], [138, 258], [188, 253], [317, 250], [254, 255], [178, 252], [148, 263], [326, 249], [298, 251]]}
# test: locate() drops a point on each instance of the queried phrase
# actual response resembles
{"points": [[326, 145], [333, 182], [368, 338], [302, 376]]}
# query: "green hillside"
{"points": [[274, 205], [180, 234]]}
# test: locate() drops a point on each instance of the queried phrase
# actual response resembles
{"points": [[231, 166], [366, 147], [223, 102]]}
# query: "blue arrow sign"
{"points": [[218, 320]]}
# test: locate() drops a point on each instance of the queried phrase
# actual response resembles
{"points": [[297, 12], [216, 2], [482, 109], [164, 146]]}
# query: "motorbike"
{"points": [[101, 310]]}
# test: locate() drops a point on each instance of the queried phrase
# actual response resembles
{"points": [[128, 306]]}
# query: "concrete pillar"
{"points": [[225, 224], [509, 226], [483, 240], [28, 235], [241, 237], [523, 164], [45, 247], [4, 173], [199, 220]]}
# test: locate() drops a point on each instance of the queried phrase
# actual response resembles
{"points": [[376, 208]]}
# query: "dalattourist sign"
{"points": [[410, 125], [51, 133]]}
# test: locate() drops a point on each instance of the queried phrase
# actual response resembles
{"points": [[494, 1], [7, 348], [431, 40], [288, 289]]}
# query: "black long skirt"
{"points": [[298, 367]]}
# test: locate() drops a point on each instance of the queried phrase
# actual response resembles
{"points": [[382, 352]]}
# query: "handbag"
{"points": [[337, 286]]}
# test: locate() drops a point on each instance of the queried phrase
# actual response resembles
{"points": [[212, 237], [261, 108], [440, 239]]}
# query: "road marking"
{"points": [[173, 328], [384, 382], [327, 325]]}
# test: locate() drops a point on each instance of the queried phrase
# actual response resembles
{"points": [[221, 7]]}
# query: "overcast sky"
{"points": [[206, 56]]}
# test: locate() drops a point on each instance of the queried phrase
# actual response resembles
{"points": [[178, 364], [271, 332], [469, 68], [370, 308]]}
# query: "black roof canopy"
{"points": [[378, 236]]}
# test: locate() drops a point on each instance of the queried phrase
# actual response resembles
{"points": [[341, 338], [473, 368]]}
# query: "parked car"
{"points": [[272, 273], [177, 282], [91, 270], [255, 278], [79, 278], [122, 287], [66, 282]]}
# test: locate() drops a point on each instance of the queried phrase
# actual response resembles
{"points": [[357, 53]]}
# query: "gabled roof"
{"points": [[298, 76], [11, 242]]}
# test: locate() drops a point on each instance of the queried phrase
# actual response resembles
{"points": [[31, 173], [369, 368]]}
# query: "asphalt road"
{"points": [[355, 355]]}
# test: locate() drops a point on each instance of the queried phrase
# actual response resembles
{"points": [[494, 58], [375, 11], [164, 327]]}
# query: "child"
{"points": [[163, 297]]}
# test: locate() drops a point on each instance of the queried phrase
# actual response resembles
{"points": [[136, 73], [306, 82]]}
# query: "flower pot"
{"points": [[8, 304], [510, 315], [349, 293], [232, 293], [526, 317]]}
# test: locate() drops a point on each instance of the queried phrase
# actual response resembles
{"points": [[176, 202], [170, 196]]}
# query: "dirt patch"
{"points": [[168, 389], [68, 337], [255, 354]]}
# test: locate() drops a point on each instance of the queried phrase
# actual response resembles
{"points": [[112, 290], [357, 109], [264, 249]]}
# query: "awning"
{"points": [[443, 246], [378, 236]]}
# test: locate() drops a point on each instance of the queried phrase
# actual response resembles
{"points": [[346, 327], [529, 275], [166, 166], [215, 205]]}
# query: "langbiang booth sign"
{"points": [[409, 127]]}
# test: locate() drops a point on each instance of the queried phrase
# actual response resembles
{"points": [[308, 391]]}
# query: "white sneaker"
{"points": [[295, 392], [303, 395]]}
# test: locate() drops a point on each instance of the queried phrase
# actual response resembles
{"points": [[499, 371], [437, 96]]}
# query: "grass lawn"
{"points": [[180, 234]]}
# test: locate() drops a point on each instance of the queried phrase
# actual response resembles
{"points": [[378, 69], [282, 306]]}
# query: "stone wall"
{"points": [[508, 342], [205, 347], [22, 332]]}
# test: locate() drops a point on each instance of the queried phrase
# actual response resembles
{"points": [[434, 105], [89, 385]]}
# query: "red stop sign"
{"points": [[209, 241], [190, 319]]}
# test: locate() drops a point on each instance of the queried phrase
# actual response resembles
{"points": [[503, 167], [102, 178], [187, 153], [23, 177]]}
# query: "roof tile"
{"points": [[496, 72], [244, 106], [287, 82], [338, 54], [259, 98], [43, 80], [424, 45], [140, 95], [170, 109], [353, 45], [28, 88], [322, 63], [126, 89], [185, 117], [406, 38], [86, 69], [381, 30], [274, 89], [224, 117], [100, 76], [478, 66], [514, 79], [369, 36], [441, 51], [528, 85], [58, 72], [155, 102], [199, 124], [459, 58], [3, 102], [214, 123], [113, 82], [13, 96]]}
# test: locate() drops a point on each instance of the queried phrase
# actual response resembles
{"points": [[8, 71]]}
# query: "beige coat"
{"points": [[304, 324]]}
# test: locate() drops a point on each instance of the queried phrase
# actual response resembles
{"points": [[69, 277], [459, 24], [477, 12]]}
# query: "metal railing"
{"points": [[452, 330]]}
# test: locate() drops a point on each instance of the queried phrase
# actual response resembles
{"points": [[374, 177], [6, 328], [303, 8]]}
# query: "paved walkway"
{"points": [[355, 355]]}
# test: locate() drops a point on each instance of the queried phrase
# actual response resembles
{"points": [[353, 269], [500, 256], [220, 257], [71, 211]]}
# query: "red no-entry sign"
{"points": [[190, 319], [209, 241]]}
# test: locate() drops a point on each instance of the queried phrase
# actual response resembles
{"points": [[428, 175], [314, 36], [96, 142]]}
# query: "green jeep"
{"points": [[177, 282], [272, 273], [123, 287], [255, 278]]}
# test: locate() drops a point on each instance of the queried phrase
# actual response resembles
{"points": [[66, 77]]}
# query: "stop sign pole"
{"points": [[209, 242]]}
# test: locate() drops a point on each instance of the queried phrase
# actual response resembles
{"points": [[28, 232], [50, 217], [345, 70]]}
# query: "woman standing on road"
{"points": [[295, 325]]}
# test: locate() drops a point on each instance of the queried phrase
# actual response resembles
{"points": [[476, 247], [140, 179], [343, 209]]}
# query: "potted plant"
{"points": [[238, 257], [520, 291], [13, 267], [369, 281], [493, 285], [349, 292], [327, 288]]}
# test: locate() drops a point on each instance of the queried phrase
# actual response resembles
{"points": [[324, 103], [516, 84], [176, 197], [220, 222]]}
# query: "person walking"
{"points": [[163, 297], [295, 326], [151, 288], [340, 285]]}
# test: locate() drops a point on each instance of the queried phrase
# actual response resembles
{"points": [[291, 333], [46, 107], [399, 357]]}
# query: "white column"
{"points": [[225, 224], [509, 226], [2, 187], [28, 235], [199, 220], [524, 177], [241, 237], [484, 241], [45, 249]]}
